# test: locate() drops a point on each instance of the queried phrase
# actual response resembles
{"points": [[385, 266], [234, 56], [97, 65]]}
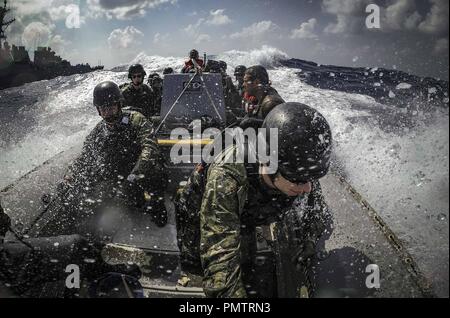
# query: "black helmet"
{"points": [[213, 66], [240, 70], [194, 54], [155, 80], [153, 75], [167, 71], [107, 94], [223, 65], [136, 69], [304, 139], [258, 72]]}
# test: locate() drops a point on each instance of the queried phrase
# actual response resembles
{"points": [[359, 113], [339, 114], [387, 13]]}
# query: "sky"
{"points": [[413, 35]]}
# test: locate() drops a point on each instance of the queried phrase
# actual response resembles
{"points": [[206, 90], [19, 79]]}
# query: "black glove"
{"points": [[158, 212], [5, 222], [132, 192], [304, 254]]}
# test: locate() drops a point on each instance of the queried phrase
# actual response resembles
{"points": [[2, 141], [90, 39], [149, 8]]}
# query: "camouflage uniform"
{"points": [[107, 159], [156, 84], [217, 240], [141, 99], [233, 100], [240, 89], [158, 100]]}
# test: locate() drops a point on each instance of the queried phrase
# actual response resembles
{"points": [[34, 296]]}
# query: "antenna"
{"points": [[4, 25]]}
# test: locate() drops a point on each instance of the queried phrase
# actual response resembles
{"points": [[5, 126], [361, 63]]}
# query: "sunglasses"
{"points": [[108, 106]]}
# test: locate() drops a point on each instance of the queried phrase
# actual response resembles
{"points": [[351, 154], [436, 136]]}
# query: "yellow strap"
{"points": [[181, 142]]}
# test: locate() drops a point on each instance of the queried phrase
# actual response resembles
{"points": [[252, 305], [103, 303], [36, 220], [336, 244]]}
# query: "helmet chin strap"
{"points": [[113, 120]]}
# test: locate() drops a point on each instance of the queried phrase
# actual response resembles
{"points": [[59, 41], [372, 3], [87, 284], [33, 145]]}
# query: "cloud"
{"points": [[194, 32], [54, 9], [46, 12], [255, 30], [124, 39], [349, 15], [62, 12], [436, 21], [305, 31], [218, 17], [345, 7], [159, 38], [59, 45], [401, 15], [123, 9], [215, 18], [201, 38], [441, 46], [396, 15], [27, 7], [193, 29], [36, 34]]}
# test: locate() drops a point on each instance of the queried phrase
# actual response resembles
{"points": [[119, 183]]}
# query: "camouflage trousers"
{"points": [[187, 205]]}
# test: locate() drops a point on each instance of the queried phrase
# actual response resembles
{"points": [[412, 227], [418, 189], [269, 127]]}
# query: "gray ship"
{"points": [[16, 67]]}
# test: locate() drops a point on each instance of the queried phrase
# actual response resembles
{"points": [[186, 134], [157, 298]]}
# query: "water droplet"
{"points": [[442, 217], [89, 260]]}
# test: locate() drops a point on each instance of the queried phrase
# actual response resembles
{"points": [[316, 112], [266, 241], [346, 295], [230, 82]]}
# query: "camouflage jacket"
{"points": [[140, 99], [240, 89], [232, 197], [158, 100], [114, 154], [233, 101]]}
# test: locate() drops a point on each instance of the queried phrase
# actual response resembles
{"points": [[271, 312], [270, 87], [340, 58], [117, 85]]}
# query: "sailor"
{"points": [[27, 264], [239, 73], [168, 71], [223, 66], [233, 102], [232, 99], [222, 203], [120, 164], [137, 95], [193, 62], [156, 83], [259, 95], [213, 66]]}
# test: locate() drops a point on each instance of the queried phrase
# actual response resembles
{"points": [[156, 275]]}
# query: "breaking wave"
{"points": [[395, 157]]}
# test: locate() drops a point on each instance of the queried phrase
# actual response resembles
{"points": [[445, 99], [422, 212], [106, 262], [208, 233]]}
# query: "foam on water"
{"points": [[396, 159], [60, 115]]}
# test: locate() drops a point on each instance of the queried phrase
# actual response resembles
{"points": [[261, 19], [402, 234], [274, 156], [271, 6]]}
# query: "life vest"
{"points": [[188, 65]]}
